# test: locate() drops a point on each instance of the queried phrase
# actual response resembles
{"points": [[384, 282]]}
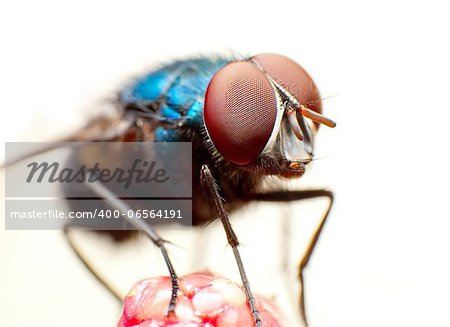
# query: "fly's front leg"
{"points": [[290, 196], [211, 186], [118, 204]]}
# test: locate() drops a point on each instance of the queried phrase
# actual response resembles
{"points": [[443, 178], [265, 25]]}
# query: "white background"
{"points": [[384, 257]]}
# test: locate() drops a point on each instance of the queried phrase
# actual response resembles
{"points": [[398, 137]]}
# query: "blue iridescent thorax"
{"points": [[174, 92]]}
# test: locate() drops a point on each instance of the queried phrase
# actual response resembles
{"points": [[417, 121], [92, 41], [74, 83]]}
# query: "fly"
{"points": [[246, 119]]}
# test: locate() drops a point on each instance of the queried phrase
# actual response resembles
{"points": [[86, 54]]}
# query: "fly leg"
{"points": [[87, 264], [289, 196], [211, 186], [118, 204]]}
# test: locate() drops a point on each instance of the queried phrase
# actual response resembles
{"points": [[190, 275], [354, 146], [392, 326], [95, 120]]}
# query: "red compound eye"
{"points": [[240, 111], [292, 77]]}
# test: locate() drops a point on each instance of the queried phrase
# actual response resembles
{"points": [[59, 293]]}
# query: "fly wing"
{"points": [[100, 129]]}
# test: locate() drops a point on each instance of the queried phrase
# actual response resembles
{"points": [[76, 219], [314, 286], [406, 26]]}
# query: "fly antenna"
{"points": [[316, 117], [321, 99]]}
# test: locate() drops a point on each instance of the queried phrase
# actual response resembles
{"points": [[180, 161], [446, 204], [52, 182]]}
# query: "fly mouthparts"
{"points": [[298, 165]]}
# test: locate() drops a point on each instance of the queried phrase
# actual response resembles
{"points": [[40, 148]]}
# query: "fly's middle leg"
{"points": [[103, 192]]}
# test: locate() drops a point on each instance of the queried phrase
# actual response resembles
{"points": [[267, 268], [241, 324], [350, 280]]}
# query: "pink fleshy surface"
{"points": [[204, 300]]}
